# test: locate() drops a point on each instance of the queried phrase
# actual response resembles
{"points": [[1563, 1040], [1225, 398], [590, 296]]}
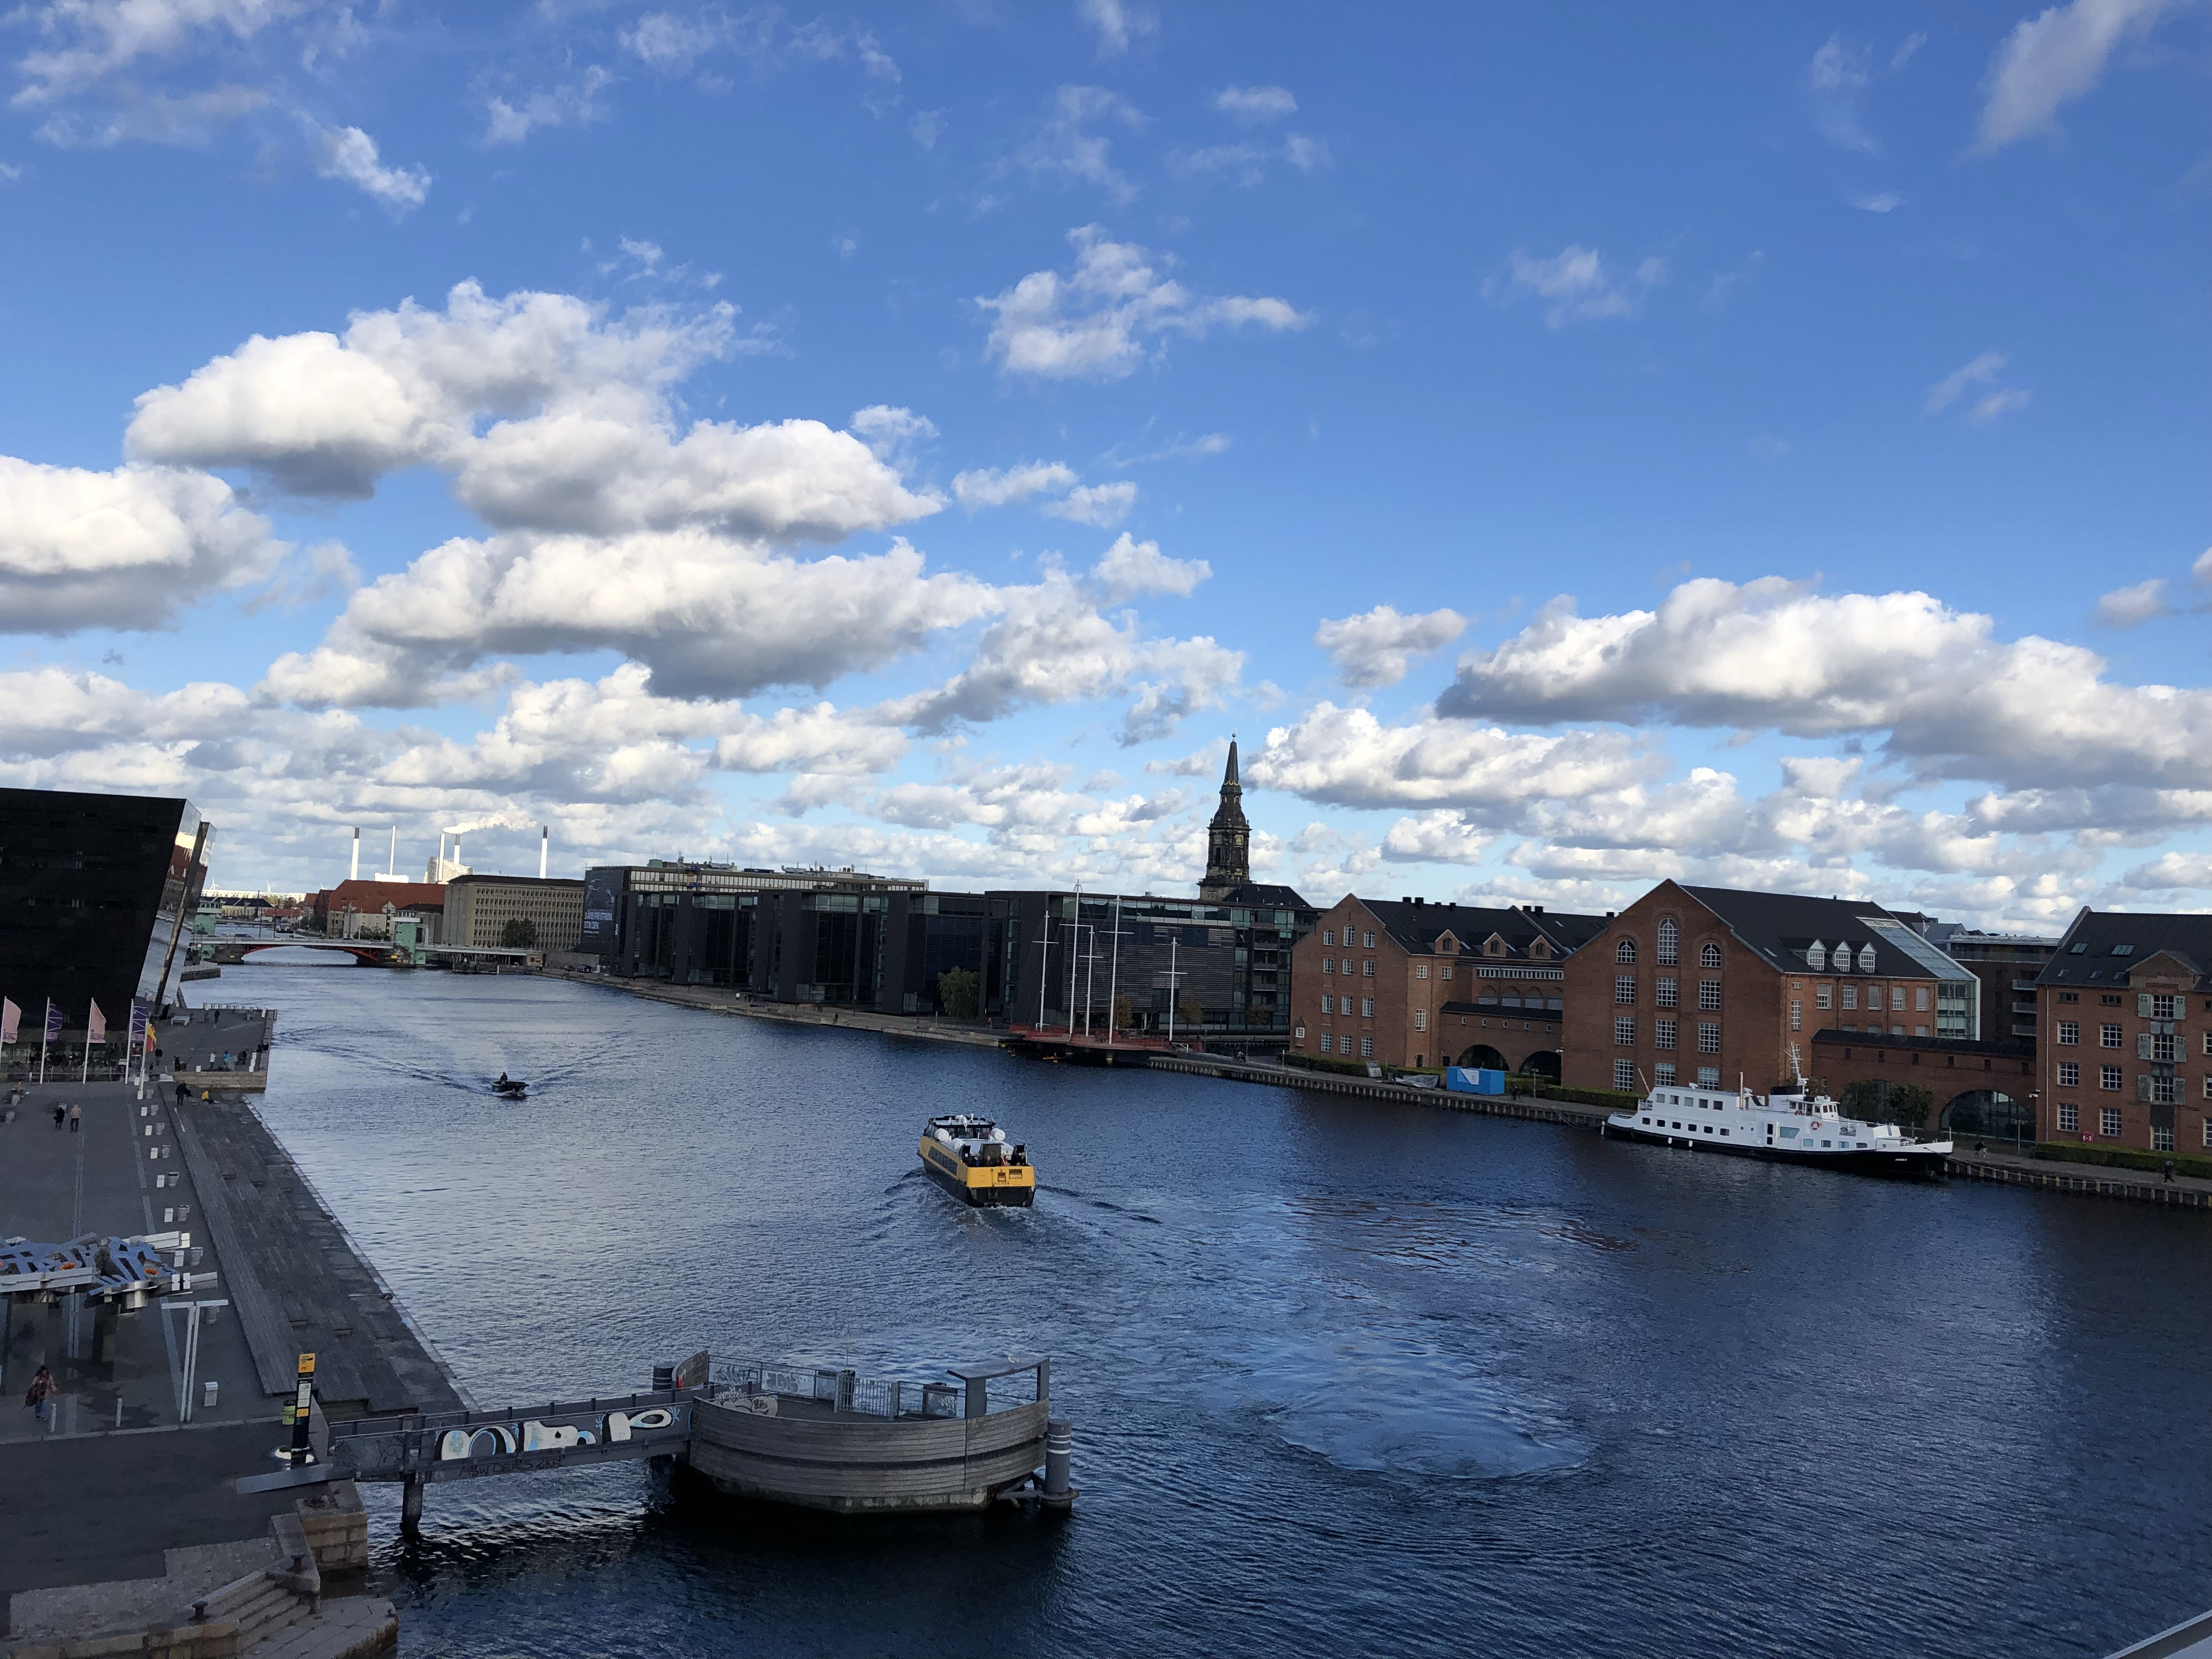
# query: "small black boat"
{"points": [[510, 1088]]}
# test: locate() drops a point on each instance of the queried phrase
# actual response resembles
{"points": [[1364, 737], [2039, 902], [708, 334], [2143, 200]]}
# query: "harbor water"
{"points": [[1346, 1377]]}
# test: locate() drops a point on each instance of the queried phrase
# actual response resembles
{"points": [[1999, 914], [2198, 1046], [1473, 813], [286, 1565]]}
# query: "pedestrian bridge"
{"points": [[229, 952]]}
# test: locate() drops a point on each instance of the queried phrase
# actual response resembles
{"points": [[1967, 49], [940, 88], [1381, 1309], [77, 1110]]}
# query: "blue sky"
{"points": [[1570, 447]]}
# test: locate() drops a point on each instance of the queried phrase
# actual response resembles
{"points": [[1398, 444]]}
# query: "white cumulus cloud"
{"points": [[1944, 694], [1098, 323], [1117, 22], [126, 548], [1374, 648], [350, 155], [1574, 285], [1103, 505], [985, 487], [2056, 56], [1251, 106]]}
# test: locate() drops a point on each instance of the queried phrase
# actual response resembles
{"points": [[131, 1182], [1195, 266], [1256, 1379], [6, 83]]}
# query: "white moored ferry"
{"points": [[1785, 1124]]}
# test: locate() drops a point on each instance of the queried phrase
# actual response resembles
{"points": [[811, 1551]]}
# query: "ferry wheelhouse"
{"points": [[968, 1156], [1786, 1124]]}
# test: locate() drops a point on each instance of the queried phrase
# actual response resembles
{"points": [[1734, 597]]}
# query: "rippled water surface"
{"points": [[1345, 1376]]}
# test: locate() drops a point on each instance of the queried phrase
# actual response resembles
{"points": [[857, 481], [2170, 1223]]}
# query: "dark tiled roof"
{"points": [[1255, 894], [2188, 937], [1416, 926], [1781, 925]]}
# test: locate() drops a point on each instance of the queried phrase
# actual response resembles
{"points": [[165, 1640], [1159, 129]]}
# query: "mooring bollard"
{"points": [[411, 1504], [1059, 1443]]}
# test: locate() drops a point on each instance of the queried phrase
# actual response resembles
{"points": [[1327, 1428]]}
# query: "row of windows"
{"points": [[1343, 1005], [1709, 955], [2150, 1045], [1366, 1046], [1666, 993], [1328, 936], [2109, 1126], [1328, 966], [1664, 1034], [1624, 1075], [1421, 971], [2112, 1079]]}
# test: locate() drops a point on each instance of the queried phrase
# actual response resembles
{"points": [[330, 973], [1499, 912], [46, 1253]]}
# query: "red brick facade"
{"points": [[1946, 1070], [1624, 975], [1418, 985], [1673, 990], [2128, 1063]]}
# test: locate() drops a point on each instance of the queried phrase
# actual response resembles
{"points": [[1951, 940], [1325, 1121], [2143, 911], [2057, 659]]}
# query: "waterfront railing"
{"points": [[889, 1398]]}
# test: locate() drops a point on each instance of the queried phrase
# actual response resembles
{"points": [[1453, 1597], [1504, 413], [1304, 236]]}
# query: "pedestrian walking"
{"points": [[183, 1093], [76, 1119], [61, 1115], [43, 1388]]}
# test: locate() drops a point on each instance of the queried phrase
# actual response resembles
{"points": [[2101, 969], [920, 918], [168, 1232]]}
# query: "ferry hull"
{"points": [[981, 1197], [1912, 1160]]}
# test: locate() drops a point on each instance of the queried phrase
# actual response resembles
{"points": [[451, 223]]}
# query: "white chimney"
{"points": [[356, 855], [545, 847]]}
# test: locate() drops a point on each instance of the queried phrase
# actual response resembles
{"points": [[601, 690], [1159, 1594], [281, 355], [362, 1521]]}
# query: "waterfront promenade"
{"points": [[120, 1505]]}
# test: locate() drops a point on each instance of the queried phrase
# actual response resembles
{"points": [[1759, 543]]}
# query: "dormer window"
{"points": [[1625, 951], [1816, 957], [1866, 958], [1541, 947]]}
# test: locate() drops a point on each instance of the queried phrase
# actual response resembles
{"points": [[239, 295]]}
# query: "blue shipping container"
{"points": [[1483, 1081]]}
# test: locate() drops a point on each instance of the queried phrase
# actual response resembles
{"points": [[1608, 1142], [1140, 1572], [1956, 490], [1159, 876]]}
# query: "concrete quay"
{"points": [[2091, 1179], [120, 1505], [720, 1000]]}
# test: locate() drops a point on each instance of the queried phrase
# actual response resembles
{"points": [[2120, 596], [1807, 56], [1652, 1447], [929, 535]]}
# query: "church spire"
{"points": [[1227, 838]]}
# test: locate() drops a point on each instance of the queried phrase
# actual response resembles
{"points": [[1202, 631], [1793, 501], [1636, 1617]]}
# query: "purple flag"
{"points": [[53, 1020], [10, 1016], [140, 1031]]}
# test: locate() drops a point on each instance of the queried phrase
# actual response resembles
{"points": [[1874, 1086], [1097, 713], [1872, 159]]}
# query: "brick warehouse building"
{"points": [[1421, 985], [2125, 1009], [1710, 985]]}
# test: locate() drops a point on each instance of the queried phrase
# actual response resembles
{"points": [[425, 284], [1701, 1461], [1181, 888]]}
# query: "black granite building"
{"points": [[92, 890]]}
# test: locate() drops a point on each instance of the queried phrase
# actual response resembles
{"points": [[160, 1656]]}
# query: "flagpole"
{"points": [[1114, 975]]}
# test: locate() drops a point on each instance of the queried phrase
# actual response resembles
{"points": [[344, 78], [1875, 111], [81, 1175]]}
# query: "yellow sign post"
{"points": [[302, 1410]]}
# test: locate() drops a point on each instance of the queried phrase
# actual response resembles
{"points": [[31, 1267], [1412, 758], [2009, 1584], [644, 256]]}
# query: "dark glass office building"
{"points": [[92, 890], [844, 939]]}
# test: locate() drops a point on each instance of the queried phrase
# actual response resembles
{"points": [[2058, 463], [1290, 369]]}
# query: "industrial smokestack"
{"points": [[545, 847], [356, 855]]}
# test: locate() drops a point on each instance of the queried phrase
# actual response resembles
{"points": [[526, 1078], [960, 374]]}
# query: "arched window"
{"points": [[1816, 957], [1625, 951], [1709, 955], [1866, 958], [1669, 936]]}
